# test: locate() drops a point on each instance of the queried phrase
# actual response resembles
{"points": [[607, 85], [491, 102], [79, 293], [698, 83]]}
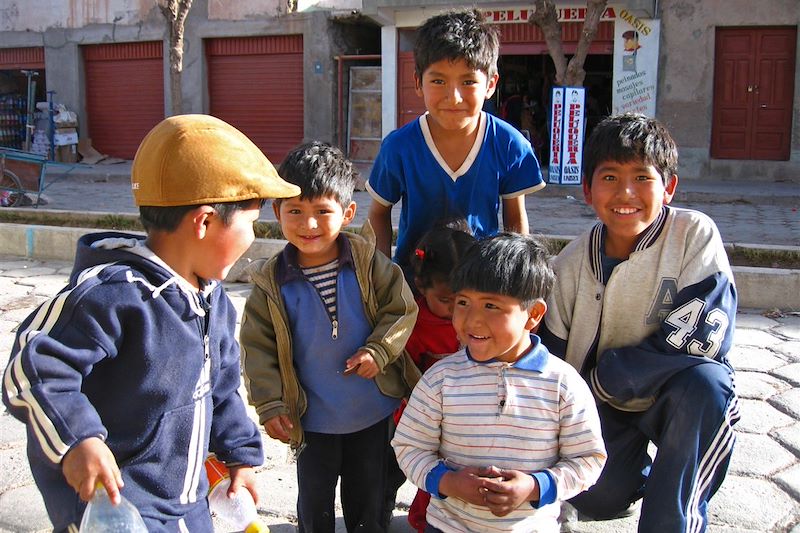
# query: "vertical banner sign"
{"points": [[566, 135], [635, 64], [556, 126]]}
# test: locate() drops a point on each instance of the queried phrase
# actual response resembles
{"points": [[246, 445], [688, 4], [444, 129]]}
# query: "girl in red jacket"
{"points": [[432, 261]]}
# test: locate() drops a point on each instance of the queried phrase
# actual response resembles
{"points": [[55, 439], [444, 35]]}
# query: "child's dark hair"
{"points": [[509, 264], [457, 35], [438, 252], [320, 169], [631, 137], [169, 218]]}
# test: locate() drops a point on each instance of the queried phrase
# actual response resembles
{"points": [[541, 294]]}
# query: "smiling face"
{"points": [[313, 226], [627, 198], [454, 95], [494, 326]]}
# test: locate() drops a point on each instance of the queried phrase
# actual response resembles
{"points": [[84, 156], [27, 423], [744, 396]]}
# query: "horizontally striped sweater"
{"points": [[534, 415]]}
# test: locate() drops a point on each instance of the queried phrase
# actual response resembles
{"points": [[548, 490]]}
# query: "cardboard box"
{"points": [[67, 153], [65, 136]]}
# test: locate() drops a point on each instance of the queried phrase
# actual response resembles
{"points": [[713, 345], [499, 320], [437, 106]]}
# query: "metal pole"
{"points": [[31, 104], [51, 124]]}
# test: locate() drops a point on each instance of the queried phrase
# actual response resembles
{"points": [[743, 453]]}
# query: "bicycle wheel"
{"points": [[11, 193]]}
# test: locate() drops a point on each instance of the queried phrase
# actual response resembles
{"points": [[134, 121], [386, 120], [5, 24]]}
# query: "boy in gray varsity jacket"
{"points": [[644, 307], [323, 337]]}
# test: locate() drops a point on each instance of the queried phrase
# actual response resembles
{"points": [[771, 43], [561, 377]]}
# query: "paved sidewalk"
{"points": [[749, 213], [761, 492]]}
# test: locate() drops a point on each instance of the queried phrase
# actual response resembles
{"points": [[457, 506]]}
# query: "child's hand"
{"points": [[278, 427], [364, 364], [88, 462], [466, 484], [506, 490], [243, 476]]}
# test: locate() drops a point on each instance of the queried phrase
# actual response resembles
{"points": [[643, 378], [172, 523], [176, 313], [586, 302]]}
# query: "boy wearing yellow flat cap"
{"points": [[129, 376]]}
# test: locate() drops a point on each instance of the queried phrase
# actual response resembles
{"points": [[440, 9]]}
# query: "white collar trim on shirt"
{"points": [[473, 153]]}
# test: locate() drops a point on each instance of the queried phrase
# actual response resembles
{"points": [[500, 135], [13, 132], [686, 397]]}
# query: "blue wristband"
{"points": [[434, 477], [547, 488]]}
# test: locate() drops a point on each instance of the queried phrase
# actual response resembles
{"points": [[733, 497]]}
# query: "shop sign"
{"points": [[565, 14], [635, 64], [568, 111]]}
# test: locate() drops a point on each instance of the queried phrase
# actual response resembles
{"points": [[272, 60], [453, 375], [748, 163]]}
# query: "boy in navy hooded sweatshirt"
{"points": [[129, 376]]}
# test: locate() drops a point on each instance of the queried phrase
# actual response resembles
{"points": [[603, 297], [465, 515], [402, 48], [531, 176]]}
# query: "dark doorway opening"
{"points": [[523, 94]]}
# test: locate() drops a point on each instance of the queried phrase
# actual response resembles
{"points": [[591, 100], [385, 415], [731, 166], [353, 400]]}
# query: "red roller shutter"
{"points": [[22, 58], [124, 94], [256, 84], [528, 39]]}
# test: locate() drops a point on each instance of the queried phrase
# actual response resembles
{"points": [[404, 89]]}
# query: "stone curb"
{"points": [[689, 190], [759, 288], [691, 196]]}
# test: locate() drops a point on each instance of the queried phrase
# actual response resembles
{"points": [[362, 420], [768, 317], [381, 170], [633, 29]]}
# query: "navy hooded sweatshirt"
{"points": [[129, 352]]}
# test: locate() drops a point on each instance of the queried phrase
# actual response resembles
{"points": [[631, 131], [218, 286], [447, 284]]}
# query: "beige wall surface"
{"points": [[70, 13], [245, 9], [248, 9]]}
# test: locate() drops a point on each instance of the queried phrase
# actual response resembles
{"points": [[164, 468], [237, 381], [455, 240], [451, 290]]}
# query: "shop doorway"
{"points": [[15, 64], [525, 67], [523, 94], [754, 72]]}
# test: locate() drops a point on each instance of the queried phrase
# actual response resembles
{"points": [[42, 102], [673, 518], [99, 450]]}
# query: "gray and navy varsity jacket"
{"points": [[131, 353], [669, 306]]}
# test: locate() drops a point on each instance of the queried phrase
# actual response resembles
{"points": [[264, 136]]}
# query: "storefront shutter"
{"points": [[256, 84], [124, 94]]}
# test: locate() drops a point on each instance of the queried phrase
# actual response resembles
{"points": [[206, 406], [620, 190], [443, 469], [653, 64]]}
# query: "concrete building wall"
{"points": [[686, 82], [63, 60], [318, 48], [61, 27], [39, 15], [247, 9], [686, 64]]}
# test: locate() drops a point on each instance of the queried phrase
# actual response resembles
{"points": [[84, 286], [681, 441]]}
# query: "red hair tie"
{"points": [[420, 254]]}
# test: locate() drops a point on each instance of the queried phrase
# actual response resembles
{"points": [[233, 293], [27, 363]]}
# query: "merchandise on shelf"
{"points": [[12, 120]]}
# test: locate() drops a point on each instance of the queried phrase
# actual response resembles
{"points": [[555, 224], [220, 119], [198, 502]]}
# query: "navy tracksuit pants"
{"points": [[691, 423], [360, 460]]}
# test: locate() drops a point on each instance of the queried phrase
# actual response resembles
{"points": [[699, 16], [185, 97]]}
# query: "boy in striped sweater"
{"points": [[501, 431]]}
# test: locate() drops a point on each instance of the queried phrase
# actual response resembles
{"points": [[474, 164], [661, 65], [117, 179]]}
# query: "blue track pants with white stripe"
{"points": [[691, 423]]}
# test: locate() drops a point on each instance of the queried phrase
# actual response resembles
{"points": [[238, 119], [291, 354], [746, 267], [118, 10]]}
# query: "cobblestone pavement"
{"points": [[752, 213], [761, 492]]}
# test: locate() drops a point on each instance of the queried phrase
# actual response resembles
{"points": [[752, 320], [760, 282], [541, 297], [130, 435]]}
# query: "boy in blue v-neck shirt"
{"points": [[455, 161]]}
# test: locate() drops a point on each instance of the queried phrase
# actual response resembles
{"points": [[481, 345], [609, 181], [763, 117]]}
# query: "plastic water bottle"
{"points": [[102, 516], [239, 511]]}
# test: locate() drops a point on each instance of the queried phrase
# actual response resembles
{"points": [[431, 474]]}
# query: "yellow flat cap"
{"points": [[200, 159]]}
